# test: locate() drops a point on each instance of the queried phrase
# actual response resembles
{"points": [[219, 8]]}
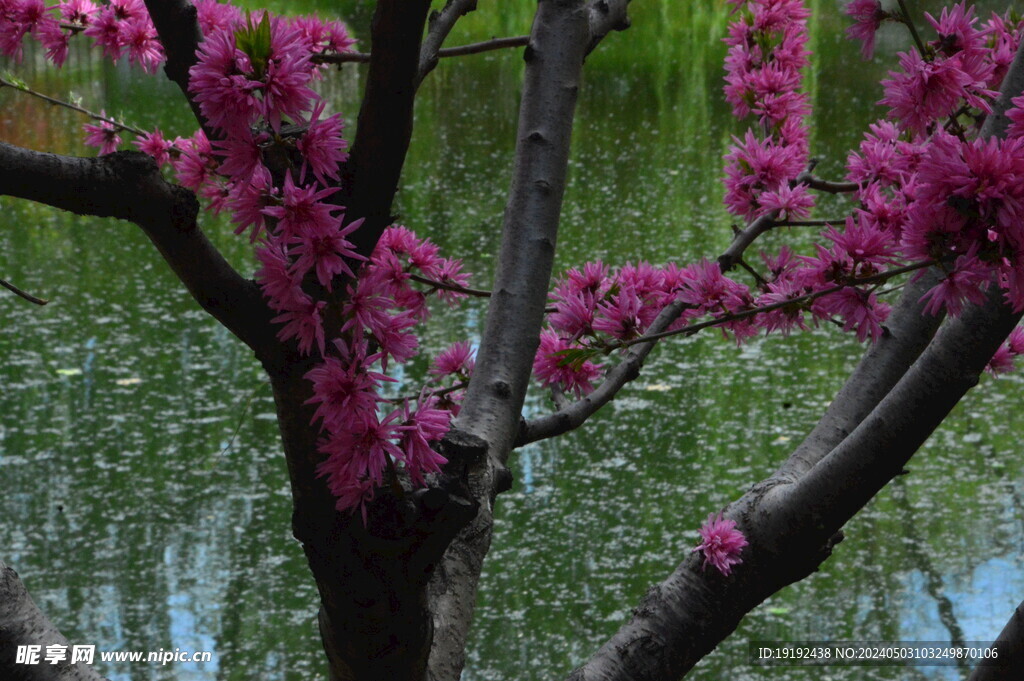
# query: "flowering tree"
{"points": [[393, 497]]}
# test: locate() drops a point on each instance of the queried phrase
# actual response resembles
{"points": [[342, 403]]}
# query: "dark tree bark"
{"points": [[397, 593], [1009, 649], [23, 624]]}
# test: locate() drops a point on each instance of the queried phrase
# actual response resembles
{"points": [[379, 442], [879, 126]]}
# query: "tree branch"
{"points": [[441, 24], [562, 34], [458, 51], [1010, 645], [792, 526], [744, 238], [178, 29], [384, 128], [575, 414], [908, 331], [23, 623], [22, 294], [128, 185], [68, 105]]}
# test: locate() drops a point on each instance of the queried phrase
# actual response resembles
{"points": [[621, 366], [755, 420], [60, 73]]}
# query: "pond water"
{"points": [[145, 501]]}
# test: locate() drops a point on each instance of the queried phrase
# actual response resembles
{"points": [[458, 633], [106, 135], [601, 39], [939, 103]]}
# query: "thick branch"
{"points": [[560, 38], [573, 415], [385, 121], [178, 29], [734, 253], [23, 624], [457, 51], [128, 185], [441, 24], [1010, 646], [886, 438], [907, 333], [792, 527]]}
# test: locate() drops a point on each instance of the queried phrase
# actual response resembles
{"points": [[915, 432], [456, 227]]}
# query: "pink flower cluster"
{"points": [[362, 438], [721, 543], [956, 73], [767, 51], [118, 27], [274, 166], [252, 83]]}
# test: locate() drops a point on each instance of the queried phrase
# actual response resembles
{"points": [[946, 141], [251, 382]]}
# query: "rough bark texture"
{"points": [[21, 624], [563, 32], [1009, 646]]}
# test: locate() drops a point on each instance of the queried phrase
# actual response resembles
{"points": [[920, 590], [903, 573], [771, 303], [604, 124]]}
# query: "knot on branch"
{"points": [[462, 450]]}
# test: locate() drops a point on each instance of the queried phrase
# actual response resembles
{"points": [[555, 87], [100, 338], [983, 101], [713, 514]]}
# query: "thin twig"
{"points": [[758, 279], [913, 29], [241, 420], [17, 291], [458, 51], [814, 182], [450, 287], [74, 107], [808, 223], [807, 297], [440, 392]]}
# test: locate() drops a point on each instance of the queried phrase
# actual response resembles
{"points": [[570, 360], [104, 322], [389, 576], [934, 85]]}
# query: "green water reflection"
{"points": [[145, 501]]}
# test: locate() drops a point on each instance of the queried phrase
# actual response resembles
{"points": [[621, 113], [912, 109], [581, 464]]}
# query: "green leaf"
{"points": [[576, 357], [254, 41]]}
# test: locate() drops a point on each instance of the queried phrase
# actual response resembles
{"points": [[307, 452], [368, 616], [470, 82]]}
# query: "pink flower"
{"points": [[421, 427], [722, 543], [394, 338], [104, 136], [304, 324], [554, 369], [286, 76], [217, 16], [620, 316], [154, 144], [925, 91], [322, 146], [324, 249], [449, 271], [346, 391], [792, 203], [398, 239], [967, 282], [144, 48], [241, 154], [357, 458], [303, 209], [279, 284], [195, 164], [105, 29], [1016, 116], [754, 166], [221, 84], [457, 360], [1002, 361], [861, 311], [868, 15], [78, 11], [248, 200], [55, 39]]}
